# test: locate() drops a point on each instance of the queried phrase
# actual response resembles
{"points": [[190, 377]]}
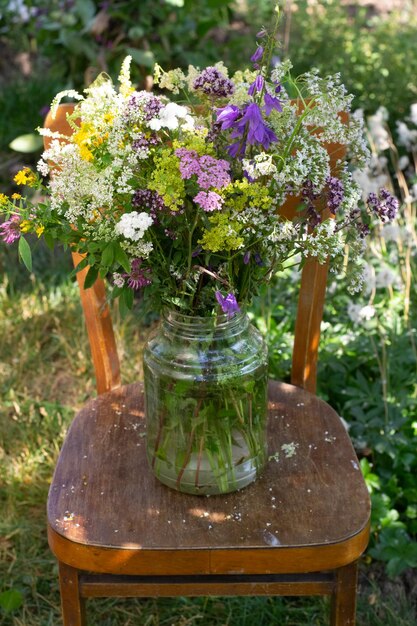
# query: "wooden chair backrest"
{"points": [[100, 329]]}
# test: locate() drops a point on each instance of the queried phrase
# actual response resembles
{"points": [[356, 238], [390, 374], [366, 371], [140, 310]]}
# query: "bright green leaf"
{"points": [[11, 600], [25, 253]]}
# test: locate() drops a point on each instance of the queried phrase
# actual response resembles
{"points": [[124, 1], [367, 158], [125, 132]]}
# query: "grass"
{"points": [[46, 374]]}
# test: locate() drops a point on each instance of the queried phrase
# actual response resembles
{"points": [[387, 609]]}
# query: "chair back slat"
{"points": [[96, 310], [307, 326]]}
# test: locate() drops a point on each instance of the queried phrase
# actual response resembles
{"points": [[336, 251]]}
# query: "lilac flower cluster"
{"points": [[310, 195], [335, 193], [385, 206], [144, 142], [150, 200], [151, 108], [210, 172], [10, 230], [138, 278], [213, 83], [209, 200]]}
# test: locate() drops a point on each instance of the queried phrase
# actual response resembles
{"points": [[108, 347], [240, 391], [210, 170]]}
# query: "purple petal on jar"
{"points": [[257, 56], [228, 303]]}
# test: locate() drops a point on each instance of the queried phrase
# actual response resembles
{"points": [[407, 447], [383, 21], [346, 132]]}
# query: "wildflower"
{"points": [[385, 206], [3, 199], [271, 103], [227, 116], [10, 230], [25, 226], [25, 177], [335, 193], [213, 83], [39, 230], [138, 277], [228, 303], [118, 279], [16, 196], [209, 200], [257, 56], [169, 117], [133, 225], [257, 131], [257, 85]]}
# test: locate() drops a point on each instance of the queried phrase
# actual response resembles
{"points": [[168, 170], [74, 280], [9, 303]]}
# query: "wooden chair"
{"points": [[298, 530]]}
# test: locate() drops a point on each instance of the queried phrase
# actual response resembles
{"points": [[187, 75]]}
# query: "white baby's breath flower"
{"points": [[133, 225], [169, 117]]}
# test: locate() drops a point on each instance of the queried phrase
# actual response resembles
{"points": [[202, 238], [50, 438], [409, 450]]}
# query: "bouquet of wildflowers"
{"points": [[182, 192]]}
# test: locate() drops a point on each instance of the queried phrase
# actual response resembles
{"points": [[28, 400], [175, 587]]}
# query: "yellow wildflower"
{"points": [[39, 230], [16, 196], [25, 177], [20, 178], [3, 198], [25, 226]]}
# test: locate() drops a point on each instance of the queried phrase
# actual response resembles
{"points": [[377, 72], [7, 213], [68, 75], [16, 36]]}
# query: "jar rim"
{"points": [[220, 320]]}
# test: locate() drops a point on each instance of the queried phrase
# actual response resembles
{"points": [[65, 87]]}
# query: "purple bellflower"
{"points": [[228, 303], [257, 56], [258, 132], [257, 85], [271, 103]]}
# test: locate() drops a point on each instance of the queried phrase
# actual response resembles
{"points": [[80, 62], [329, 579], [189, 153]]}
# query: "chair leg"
{"points": [[73, 606], [343, 604]]}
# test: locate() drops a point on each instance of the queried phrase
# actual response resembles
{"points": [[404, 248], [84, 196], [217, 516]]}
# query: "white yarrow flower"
{"points": [[133, 225]]}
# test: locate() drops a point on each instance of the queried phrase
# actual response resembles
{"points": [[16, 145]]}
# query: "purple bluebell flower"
{"points": [[246, 257], [271, 103], [257, 85], [257, 130], [227, 116], [10, 230], [257, 56], [228, 303]]}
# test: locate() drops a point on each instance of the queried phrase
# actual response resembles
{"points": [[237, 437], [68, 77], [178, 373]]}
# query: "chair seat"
{"points": [[309, 511]]}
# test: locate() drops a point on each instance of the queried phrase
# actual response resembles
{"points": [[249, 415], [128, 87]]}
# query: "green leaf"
{"points": [[86, 9], [125, 301], [11, 600], [91, 277], [27, 143], [25, 253], [49, 240], [107, 257], [121, 257], [142, 57]]}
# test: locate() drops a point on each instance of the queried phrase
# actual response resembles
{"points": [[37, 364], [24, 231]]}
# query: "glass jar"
{"points": [[206, 402]]}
